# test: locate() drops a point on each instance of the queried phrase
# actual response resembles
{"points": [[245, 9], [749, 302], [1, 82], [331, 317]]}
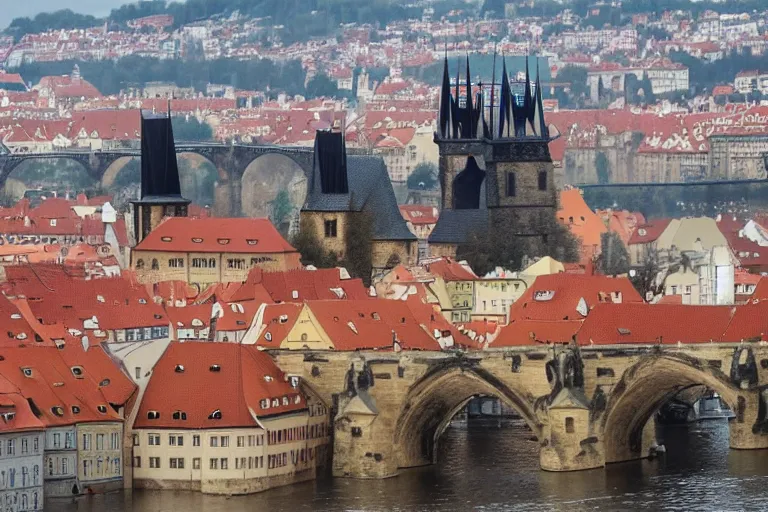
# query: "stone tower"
{"points": [[496, 172], [160, 186]]}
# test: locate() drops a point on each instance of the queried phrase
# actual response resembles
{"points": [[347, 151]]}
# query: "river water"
{"points": [[488, 469]]}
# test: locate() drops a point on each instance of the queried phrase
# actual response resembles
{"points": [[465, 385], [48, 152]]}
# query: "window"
{"points": [[137, 372], [330, 228], [511, 186], [214, 464], [240, 441], [224, 463], [176, 463], [154, 439], [155, 265], [542, 180], [99, 441], [224, 442], [195, 440], [24, 445], [139, 264], [215, 415], [179, 415], [176, 263], [237, 264], [569, 426], [214, 442], [153, 415], [196, 463], [136, 462], [154, 462], [57, 440]]}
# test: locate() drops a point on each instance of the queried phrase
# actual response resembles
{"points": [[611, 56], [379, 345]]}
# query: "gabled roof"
{"points": [[370, 190], [649, 231], [609, 324], [300, 285], [531, 332], [557, 296], [199, 378], [450, 270], [750, 322], [215, 235], [458, 226]]}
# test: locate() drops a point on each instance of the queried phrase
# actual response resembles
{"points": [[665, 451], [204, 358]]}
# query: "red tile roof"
{"points": [[186, 379], [649, 232], [556, 296], [609, 324], [750, 322], [450, 270], [417, 214], [532, 332], [301, 285], [231, 235]]}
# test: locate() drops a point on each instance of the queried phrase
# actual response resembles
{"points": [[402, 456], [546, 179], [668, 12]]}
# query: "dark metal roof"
{"points": [[457, 226], [159, 169], [369, 190]]}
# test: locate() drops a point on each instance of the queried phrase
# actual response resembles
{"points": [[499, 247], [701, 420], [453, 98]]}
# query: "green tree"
{"points": [[614, 257], [577, 77], [191, 130], [603, 167], [320, 86], [280, 208], [311, 248], [423, 177], [358, 258]]}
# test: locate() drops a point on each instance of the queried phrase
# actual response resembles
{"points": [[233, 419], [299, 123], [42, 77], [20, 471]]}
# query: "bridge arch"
{"points": [[436, 398], [274, 185], [113, 170], [627, 423]]}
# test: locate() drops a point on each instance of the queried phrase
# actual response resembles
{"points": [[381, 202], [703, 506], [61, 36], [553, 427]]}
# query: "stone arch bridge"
{"points": [[587, 407], [230, 161]]}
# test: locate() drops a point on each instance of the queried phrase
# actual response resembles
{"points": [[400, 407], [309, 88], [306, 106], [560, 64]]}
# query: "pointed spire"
{"points": [[481, 129], [446, 114], [457, 118], [528, 99], [493, 88], [505, 104], [539, 124], [470, 114]]}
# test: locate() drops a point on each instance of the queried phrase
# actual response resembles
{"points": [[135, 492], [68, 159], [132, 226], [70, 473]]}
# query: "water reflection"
{"points": [[491, 469]]}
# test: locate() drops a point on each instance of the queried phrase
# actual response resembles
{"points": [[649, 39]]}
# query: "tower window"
{"points": [[155, 265], [511, 185], [542, 180], [330, 228]]}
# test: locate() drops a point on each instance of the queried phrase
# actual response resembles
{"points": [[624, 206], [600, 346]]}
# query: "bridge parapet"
{"points": [[586, 406]]}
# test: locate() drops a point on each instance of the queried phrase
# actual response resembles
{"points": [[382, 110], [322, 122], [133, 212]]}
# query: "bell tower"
{"points": [[160, 186]]}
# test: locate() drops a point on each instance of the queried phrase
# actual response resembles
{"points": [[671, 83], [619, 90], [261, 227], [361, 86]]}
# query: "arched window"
{"points": [[155, 265], [139, 264]]}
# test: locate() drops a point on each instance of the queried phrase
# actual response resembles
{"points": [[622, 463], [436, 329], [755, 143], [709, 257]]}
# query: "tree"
{"points": [[423, 177], [191, 130], [280, 208], [311, 249], [358, 257], [614, 257], [320, 86], [645, 278], [603, 167]]}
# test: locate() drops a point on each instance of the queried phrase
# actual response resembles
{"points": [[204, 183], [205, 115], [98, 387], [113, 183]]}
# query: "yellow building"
{"points": [[211, 250], [99, 456], [238, 427]]}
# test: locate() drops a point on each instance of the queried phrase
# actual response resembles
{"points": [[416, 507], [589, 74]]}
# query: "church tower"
{"points": [[496, 172], [160, 186]]}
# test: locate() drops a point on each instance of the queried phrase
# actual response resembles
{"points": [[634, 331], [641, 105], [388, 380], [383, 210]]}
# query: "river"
{"points": [[486, 468]]}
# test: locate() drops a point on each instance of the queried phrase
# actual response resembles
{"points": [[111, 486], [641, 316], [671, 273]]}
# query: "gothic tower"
{"points": [[160, 186], [496, 172]]}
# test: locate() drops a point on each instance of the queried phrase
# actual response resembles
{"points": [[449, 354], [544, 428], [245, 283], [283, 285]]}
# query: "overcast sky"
{"points": [[14, 8]]}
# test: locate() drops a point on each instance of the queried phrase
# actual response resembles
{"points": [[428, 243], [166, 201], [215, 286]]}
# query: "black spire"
{"points": [[528, 99], [331, 162], [159, 169], [505, 120], [539, 125], [493, 87], [445, 102], [457, 117], [469, 117]]}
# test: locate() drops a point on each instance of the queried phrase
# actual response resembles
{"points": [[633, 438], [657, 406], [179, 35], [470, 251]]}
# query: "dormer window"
{"points": [[179, 368], [276, 402], [21, 336], [142, 301], [179, 415], [223, 241], [104, 382], [53, 223], [77, 371], [297, 399], [27, 372], [15, 316], [57, 411], [75, 409], [102, 409], [264, 404], [267, 378], [252, 242], [286, 401], [215, 415], [166, 239], [215, 368], [153, 415], [197, 240], [268, 336]]}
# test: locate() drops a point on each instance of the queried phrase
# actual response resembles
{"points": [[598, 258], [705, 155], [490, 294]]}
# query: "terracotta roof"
{"points": [[419, 215], [532, 332], [654, 323], [649, 232], [199, 378], [189, 317], [301, 285], [450, 270], [750, 322], [583, 223], [556, 296], [230, 235], [277, 321]]}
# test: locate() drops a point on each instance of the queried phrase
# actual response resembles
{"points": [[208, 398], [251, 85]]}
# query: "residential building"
{"points": [[21, 453], [235, 426]]}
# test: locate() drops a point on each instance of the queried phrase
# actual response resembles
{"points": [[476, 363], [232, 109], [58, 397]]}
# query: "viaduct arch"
{"points": [[587, 406], [230, 161]]}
